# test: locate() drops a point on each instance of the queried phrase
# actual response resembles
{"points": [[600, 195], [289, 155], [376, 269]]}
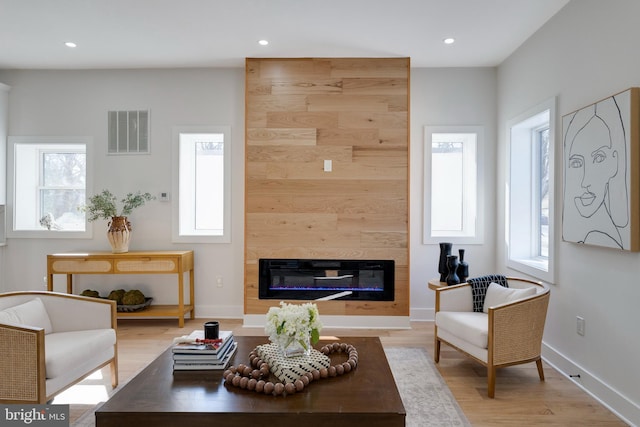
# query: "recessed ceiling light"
{"points": [[70, 44], [263, 42], [449, 40]]}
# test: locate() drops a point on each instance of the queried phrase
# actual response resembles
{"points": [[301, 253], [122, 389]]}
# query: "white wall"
{"points": [[585, 53], [57, 103], [447, 97]]}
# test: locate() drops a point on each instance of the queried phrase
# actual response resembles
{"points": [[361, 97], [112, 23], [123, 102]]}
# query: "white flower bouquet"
{"points": [[293, 324]]}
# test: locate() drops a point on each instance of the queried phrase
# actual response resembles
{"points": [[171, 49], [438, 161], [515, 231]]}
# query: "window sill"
{"points": [[534, 267], [45, 234], [201, 239], [457, 240]]}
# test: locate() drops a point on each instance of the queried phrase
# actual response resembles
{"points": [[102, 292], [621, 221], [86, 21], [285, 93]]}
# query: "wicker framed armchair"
{"points": [[50, 341], [503, 334]]}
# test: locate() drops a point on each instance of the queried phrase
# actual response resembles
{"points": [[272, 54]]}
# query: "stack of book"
{"points": [[191, 353]]}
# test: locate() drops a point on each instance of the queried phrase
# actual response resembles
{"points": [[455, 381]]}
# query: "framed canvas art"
{"points": [[601, 198]]}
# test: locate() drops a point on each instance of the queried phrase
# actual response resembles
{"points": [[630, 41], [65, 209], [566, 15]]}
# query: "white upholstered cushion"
{"points": [[469, 326], [456, 298], [30, 313], [66, 350], [497, 295]]}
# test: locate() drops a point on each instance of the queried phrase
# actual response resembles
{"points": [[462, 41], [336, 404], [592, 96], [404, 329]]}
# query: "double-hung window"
{"points": [[452, 210], [530, 210], [48, 186], [202, 170]]}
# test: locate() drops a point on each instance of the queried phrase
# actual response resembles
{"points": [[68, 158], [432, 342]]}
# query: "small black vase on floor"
{"points": [[463, 267], [445, 251], [452, 264]]}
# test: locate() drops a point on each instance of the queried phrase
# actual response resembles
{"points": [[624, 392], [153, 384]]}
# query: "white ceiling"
{"points": [[221, 33]]}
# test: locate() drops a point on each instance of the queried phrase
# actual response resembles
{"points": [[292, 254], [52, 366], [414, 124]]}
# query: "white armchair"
{"points": [[50, 341], [508, 330]]}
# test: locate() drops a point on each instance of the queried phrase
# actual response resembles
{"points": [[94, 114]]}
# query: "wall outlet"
{"points": [[580, 325], [219, 281]]}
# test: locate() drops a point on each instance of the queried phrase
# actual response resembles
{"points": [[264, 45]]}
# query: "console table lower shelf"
{"points": [[169, 310], [365, 397]]}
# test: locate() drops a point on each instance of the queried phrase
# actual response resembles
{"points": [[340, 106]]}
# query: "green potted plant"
{"points": [[104, 205]]}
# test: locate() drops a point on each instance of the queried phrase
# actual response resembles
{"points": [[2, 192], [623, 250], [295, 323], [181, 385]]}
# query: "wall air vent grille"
{"points": [[128, 132]]}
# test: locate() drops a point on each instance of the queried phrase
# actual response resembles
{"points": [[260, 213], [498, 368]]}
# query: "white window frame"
{"points": [[11, 187], [225, 237], [521, 225], [473, 188]]}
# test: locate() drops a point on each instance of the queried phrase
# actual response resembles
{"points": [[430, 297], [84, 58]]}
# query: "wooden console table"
{"points": [[147, 262]]}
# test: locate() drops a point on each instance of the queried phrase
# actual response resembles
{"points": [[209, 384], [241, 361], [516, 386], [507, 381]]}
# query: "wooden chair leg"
{"points": [[491, 381], [113, 367], [436, 352], [540, 371]]}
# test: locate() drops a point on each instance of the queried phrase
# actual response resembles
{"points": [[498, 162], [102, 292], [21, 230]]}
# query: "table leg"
{"points": [[69, 283], [192, 294], [181, 299]]}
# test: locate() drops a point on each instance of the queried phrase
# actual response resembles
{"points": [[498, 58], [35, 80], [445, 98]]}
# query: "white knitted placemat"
{"points": [[289, 369]]}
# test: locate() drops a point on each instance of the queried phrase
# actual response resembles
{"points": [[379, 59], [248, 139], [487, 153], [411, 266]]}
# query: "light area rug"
{"points": [[427, 399]]}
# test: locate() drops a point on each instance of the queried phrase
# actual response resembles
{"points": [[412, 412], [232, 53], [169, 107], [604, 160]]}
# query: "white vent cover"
{"points": [[128, 132]]}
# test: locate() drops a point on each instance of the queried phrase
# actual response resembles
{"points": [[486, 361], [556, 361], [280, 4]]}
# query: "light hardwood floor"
{"points": [[521, 398]]}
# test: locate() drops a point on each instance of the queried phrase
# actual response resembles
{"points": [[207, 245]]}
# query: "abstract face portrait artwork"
{"points": [[599, 145]]}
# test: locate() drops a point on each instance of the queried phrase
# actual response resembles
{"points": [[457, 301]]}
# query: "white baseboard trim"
{"points": [[625, 409], [219, 311], [342, 322]]}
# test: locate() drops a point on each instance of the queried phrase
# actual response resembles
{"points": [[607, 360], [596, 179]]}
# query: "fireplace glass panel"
{"points": [[371, 280]]}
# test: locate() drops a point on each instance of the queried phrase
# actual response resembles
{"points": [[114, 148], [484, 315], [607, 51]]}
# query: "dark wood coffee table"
{"points": [[157, 396]]}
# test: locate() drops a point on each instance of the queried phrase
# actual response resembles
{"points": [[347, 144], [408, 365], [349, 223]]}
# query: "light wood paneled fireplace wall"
{"points": [[302, 113]]}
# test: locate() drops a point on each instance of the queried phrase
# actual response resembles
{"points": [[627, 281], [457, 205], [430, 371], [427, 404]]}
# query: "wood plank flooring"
{"points": [[521, 399]]}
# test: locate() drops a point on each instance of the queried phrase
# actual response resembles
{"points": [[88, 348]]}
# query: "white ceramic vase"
{"points": [[119, 234]]}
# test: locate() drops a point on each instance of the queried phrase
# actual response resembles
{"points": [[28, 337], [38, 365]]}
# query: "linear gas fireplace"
{"points": [[319, 279]]}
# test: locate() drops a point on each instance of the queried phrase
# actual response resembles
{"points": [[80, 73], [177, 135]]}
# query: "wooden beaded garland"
{"points": [[254, 376]]}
